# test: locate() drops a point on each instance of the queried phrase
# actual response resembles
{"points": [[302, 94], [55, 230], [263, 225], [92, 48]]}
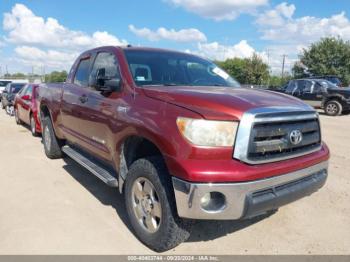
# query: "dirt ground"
{"points": [[56, 207]]}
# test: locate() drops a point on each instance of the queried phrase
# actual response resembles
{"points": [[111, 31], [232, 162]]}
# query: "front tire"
{"points": [[150, 204], [333, 108], [52, 145]]}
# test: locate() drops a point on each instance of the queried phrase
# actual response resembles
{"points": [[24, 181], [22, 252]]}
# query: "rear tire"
{"points": [[33, 126], [157, 209], [52, 145], [333, 108]]}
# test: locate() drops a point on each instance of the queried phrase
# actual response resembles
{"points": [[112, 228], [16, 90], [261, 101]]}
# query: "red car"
{"points": [[26, 108]]}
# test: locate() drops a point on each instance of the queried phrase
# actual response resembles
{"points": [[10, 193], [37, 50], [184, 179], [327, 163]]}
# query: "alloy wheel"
{"points": [[146, 205], [332, 108]]}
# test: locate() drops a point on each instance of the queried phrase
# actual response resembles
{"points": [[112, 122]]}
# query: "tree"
{"points": [[329, 56], [251, 70], [278, 81], [18, 75], [56, 77]]}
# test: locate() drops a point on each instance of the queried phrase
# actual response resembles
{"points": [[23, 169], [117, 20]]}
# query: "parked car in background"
{"points": [[26, 108], [8, 95], [3, 84], [321, 93], [181, 139]]}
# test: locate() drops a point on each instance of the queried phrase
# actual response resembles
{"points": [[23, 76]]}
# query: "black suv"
{"points": [[321, 93], [8, 95]]}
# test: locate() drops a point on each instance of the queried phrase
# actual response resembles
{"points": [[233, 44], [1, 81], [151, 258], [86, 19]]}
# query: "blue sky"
{"points": [[37, 34]]}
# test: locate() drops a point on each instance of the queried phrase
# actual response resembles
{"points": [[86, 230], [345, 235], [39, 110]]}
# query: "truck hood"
{"points": [[221, 103]]}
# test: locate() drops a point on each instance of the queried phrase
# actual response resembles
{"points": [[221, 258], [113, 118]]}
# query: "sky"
{"points": [[42, 36]]}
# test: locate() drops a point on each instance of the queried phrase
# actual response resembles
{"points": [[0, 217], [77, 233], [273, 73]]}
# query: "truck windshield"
{"points": [[334, 80], [166, 68]]}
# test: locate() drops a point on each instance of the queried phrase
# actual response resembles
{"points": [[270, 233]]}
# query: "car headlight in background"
{"points": [[202, 132]]}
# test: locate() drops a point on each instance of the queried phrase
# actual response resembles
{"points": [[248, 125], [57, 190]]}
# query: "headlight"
{"points": [[207, 132]]}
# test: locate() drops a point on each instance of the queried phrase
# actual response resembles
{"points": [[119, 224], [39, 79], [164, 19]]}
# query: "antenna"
{"points": [[283, 64]]}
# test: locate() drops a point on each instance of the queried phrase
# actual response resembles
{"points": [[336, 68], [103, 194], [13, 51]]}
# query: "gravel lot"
{"points": [[56, 207]]}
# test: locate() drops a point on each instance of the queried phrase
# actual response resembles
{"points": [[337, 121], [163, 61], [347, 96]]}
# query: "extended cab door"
{"points": [[74, 124], [102, 106]]}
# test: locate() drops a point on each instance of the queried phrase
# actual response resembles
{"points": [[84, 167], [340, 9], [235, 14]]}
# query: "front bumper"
{"points": [[247, 199]]}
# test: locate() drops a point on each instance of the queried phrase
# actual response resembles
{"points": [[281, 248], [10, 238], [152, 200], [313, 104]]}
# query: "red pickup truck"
{"points": [[181, 140]]}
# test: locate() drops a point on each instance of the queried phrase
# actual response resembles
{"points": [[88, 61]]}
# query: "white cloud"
{"points": [[277, 16], [25, 28], [50, 58], [216, 51], [289, 35], [280, 25], [183, 35], [45, 42], [219, 9]]}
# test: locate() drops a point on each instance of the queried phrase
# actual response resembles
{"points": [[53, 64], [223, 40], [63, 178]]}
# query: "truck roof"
{"points": [[141, 48]]}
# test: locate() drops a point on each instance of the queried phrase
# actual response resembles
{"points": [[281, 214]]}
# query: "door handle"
{"points": [[83, 99]]}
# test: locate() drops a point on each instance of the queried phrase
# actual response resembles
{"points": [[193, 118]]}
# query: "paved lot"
{"points": [[56, 207]]}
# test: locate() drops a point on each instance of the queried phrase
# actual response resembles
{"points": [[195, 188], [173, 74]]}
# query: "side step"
{"points": [[95, 169]]}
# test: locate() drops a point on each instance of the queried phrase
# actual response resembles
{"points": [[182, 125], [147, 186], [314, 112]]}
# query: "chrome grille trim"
{"points": [[270, 115]]}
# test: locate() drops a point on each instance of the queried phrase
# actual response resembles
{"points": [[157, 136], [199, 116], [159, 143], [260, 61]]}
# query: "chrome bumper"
{"points": [[247, 199]]}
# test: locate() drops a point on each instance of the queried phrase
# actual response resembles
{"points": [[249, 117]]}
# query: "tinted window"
{"points": [[82, 74], [107, 66], [334, 80], [23, 90], [307, 86], [318, 88], [172, 68], [15, 88], [291, 86]]}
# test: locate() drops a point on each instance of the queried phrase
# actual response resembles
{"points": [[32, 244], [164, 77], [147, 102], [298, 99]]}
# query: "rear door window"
{"points": [[307, 86], [81, 77]]}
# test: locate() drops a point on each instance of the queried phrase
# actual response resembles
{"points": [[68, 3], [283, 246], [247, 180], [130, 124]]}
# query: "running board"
{"points": [[94, 168]]}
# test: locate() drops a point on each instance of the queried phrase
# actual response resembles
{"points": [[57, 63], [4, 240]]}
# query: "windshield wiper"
{"points": [[171, 84]]}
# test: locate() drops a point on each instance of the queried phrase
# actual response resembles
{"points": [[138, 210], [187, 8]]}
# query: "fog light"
{"points": [[205, 199], [213, 202]]}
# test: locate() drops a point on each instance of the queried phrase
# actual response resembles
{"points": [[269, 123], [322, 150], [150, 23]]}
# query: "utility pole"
{"points": [[283, 64], [268, 65]]}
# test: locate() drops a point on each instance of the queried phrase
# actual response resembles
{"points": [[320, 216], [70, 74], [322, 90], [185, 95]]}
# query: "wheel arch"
{"points": [[338, 98], [132, 148]]}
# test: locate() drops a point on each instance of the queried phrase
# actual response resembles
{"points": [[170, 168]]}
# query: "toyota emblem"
{"points": [[295, 137]]}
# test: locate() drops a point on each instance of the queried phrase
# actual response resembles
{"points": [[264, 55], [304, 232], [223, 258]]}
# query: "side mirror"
{"points": [[104, 83], [26, 97]]}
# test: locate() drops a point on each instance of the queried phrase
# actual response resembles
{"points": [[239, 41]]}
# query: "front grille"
{"points": [[271, 140], [264, 134]]}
